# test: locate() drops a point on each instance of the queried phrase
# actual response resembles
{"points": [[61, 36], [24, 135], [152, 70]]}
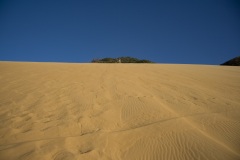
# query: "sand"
{"points": [[69, 111]]}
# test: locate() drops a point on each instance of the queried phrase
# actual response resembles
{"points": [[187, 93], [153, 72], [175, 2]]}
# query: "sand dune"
{"points": [[66, 111]]}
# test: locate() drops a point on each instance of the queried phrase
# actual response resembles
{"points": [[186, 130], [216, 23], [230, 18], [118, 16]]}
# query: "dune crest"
{"points": [[119, 111]]}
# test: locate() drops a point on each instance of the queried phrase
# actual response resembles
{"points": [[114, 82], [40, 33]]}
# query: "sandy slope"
{"points": [[119, 111]]}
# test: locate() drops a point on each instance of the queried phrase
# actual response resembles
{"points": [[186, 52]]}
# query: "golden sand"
{"points": [[65, 111]]}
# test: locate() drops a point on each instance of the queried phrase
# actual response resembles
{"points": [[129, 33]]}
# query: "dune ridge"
{"points": [[119, 111]]}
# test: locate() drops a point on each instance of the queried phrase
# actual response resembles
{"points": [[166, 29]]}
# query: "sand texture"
{"points": [[64, 111]]}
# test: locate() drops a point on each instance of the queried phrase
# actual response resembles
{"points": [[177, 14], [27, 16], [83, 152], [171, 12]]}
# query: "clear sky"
{"points": [[170, 31]]}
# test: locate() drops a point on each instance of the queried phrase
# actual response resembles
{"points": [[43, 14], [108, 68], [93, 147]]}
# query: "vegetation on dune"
{"points": [[233, 62], [121, 60]]}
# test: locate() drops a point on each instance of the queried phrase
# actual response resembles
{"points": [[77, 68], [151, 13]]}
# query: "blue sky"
{"points": [[170, 31]]}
